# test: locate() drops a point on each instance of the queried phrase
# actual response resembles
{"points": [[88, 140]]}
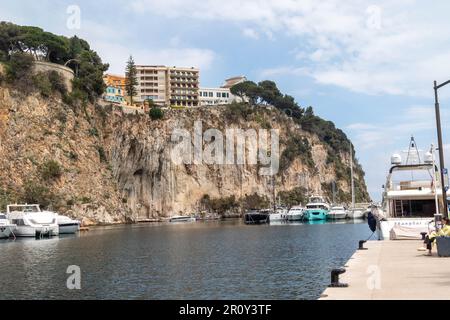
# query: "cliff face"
{"points": [[119, 168]]}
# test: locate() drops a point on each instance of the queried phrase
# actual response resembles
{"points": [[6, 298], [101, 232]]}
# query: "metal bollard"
{"points": [[361, 245], [335, 278], [423, 234]]}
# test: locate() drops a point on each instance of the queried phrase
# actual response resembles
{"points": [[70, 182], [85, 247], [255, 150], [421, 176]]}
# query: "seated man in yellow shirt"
{"points": [[431, 238]]}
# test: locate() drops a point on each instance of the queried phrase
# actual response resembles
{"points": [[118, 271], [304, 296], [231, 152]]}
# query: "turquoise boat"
{"points": [[316, 209]]}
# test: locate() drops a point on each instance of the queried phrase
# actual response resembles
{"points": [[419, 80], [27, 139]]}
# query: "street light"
{"points": [[441, 148]]}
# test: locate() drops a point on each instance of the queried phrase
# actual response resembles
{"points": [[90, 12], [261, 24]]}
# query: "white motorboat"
{"points": [[182, 219], [30, 221], [6, 228], [67, 225], [295, 213], [279, 215], [337, 213], [355, 213], [410, 197]]}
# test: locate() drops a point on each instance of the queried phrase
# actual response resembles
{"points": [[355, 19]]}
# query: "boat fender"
{"points": [[372, 222]]}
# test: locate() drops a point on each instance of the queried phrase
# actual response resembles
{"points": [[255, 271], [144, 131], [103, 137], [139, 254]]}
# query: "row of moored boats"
{"points": [[28, 220], [316, 209]]}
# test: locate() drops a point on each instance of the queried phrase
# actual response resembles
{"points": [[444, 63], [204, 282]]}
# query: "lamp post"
{"points": [[441, 148]]}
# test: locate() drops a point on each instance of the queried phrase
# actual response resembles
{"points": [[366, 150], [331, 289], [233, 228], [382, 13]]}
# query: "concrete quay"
{"points": [[393, 270]]}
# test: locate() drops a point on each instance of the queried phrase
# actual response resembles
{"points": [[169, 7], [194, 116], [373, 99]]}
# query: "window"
{"points": [[224, 94], [217, 94], [211, 95]]}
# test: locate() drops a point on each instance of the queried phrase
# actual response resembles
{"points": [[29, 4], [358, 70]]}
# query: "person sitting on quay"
{"points": [[431, 238]]}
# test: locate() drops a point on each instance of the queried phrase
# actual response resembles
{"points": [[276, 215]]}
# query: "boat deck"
{"points": [[391, 270]]}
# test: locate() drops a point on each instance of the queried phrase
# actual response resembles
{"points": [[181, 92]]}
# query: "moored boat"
{"points": [[6, 228], [182, 219], [337, 213], [279, 215], [316, 209], [30, 221], [67, 225], [295, 213], [256, 217], [410, 197]]}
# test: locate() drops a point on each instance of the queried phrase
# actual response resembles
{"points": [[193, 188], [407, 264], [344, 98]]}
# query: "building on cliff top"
{"points": [[168, 86]]}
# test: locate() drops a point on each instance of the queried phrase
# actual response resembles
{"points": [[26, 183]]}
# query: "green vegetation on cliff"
{"points": [[21, 45], [337, 142]]}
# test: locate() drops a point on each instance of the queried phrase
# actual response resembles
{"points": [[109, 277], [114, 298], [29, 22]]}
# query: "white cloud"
{"points": [[117, 55], [250, 33], [375, 49]]}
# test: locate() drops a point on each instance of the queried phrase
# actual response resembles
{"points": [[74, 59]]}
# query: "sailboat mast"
{"points": [[351, 174]]}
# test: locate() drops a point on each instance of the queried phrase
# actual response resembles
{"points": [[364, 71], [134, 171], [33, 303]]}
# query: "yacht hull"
{"points": [[276, 217], [68, 228], [28, 231], [294, 217], [403, 228], [336, 216], [6, 231], [356, 214], [256, 218], [315, 215]]}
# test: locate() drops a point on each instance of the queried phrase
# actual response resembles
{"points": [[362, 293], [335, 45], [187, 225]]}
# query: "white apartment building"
{"points": [[168, 85], [215, 96]]}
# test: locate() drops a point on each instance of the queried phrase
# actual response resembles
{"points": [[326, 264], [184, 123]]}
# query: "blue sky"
{"points": [[366, 65]]}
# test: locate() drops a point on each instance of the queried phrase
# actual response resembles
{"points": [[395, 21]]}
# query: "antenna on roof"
{"points": [[413, 153]]}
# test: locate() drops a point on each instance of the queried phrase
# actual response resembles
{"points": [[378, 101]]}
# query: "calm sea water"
{"points": [[203, 260]]}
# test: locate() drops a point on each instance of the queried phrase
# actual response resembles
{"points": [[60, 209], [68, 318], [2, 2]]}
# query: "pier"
{"points": [[393, 270]]}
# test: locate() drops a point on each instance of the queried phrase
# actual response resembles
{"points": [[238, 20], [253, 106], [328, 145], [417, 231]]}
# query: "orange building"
{"points": [[113, 80]]}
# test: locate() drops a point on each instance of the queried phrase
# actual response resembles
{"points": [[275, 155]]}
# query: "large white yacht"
{"points": [[31, 221], [410, 197], [316, 209]]}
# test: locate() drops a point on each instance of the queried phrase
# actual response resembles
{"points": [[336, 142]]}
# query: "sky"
{"points": [[368, 66]]}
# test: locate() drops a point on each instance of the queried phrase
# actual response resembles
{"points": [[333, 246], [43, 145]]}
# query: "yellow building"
{"points": [[115, 89]]}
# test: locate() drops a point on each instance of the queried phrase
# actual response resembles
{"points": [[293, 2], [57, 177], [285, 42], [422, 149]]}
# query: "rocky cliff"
{"points": [[98, 164]]}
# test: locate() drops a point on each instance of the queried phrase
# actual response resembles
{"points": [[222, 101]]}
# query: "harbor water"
{"points": [[202, 260]]}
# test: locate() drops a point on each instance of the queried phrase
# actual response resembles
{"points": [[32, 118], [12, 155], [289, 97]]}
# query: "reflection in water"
{"points": [[203, 260]]}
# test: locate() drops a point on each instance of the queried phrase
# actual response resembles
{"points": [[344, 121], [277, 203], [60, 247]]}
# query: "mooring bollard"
{"points": [[424, 234], [361, 245], [335, 278]]}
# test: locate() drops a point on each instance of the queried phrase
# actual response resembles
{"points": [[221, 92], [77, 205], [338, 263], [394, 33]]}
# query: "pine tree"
{"points": [[131, 80]]}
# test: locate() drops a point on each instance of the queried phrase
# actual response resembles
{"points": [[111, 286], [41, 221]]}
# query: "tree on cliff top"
{"points": [[131, 79], [86, 63]]}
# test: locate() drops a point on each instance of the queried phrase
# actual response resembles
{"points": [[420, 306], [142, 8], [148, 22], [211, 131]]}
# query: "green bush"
{"points": [[93, 132], [85, 200], [293, 197], [156, 113], [50, 170], [34, 192], [219, 205], [255, 201], [296, 146], [237, 111], [101, 154], [43, 84], [19, 66], [57, 82]]}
